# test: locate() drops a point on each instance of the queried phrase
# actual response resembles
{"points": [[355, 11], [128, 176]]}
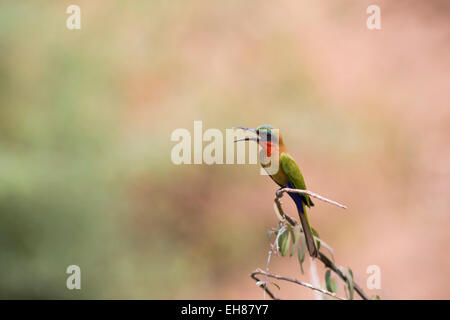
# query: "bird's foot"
{"points": [[279, 193]]}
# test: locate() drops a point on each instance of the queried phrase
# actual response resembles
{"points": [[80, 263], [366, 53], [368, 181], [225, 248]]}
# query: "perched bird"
{"points": [[288, 175]]}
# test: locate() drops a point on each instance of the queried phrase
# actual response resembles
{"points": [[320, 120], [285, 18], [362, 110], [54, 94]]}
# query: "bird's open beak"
{"points": [[247, 129], [247, 139]]}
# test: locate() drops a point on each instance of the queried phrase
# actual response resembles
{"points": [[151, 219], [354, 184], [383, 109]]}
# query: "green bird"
{"points": [[288, 175]]}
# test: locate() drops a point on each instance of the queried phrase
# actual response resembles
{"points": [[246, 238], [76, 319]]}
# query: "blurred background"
{"points": [[86, 118]]}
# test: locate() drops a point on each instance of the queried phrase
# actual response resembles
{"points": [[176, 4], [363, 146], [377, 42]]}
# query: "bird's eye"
{"points": [[257, 131]]}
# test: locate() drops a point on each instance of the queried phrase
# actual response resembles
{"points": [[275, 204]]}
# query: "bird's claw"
{"points": [[279, 193]]}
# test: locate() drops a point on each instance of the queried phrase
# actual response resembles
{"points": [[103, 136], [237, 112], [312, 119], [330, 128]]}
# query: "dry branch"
{"points": [[278, 277], [280, 192]]}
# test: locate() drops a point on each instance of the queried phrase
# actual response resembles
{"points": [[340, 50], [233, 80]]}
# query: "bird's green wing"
{"points": [[294, 174]]}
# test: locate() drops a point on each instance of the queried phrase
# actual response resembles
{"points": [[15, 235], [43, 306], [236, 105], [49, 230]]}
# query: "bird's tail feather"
{"points": [[310, 243]]}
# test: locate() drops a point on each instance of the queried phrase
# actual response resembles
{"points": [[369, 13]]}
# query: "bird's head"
{"points": [[265, 136]]}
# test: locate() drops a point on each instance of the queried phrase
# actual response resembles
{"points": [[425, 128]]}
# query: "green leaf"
{"points": [[346, 291], [301, 255], [350, 289], [333, 285], [296, 238], [284, 242], [327, 278], [316, 234], [351, 273], [350, 283], [292, 237], [376, 297], [297, 233], [330, 282]]}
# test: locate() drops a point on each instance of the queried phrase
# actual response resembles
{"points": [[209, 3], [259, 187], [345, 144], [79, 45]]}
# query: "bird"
{"points": [[288, 175]]}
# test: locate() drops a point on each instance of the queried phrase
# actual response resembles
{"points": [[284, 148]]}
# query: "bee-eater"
{"points": [[288, 175]]}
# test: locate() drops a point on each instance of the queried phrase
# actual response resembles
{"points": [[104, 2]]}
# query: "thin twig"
{"points": [[280, 192], [282, 214], [272, 246], [264, 287], [278, 277]]}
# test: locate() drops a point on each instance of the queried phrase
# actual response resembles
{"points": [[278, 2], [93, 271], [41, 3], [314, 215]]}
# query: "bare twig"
{"points": [[291, 221], [264, 286], [278, 277], [280, 192], [273, 248]]}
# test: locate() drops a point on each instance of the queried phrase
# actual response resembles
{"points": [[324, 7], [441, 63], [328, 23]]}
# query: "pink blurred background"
{"points": [[89, 113]]}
